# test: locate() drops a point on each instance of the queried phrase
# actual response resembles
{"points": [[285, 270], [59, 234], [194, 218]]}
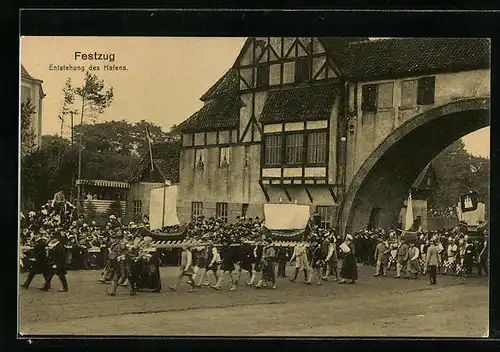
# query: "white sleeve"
{"points": [[189, 260]]}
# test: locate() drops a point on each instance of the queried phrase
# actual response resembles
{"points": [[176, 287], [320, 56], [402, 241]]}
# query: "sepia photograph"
{"points": [[254, 186]]}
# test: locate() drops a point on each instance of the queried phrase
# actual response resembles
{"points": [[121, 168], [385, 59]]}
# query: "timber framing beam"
{"points": [[287, 194], [263, 188], [332, 192], [309, 195]]}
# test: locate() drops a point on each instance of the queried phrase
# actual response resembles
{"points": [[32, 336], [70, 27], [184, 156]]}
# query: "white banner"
{"points": [[472, 218], [286, 216], [165, 197]]}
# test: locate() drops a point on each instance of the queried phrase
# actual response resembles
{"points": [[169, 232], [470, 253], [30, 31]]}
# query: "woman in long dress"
{"points": [[413, 261], [349, 269]]}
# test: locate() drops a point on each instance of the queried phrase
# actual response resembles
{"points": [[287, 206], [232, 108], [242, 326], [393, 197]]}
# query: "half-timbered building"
{"points": [[297, 119]]}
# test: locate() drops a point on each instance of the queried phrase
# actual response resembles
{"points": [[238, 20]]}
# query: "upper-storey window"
{"points": [[224, 157], [302, 69], [426, 88], [377, 96], [262, 76], [199, 159], [316, 147], [369, 102], [417, 92], [272, 150], [294, 148]]}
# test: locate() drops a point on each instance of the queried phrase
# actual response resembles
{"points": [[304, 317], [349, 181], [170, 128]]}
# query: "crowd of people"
{"points": [[214, 250], [443, 212]]}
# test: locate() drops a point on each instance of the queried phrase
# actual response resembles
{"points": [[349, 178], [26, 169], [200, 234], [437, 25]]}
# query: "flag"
{"points": [[468, 202], [409, 214], [150, 141]]}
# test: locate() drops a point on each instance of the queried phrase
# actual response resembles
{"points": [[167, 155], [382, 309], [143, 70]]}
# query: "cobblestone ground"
{"points": [[373, 307]]}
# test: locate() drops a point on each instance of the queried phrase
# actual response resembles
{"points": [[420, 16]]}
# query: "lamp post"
{"points": [[78, 182]]}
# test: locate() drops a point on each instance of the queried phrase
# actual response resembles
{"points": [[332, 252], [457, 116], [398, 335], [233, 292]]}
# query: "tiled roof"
{"points": [[226, 84], [404, 56], [166, 156], [221, 113], [337, 48], [299, 104]]}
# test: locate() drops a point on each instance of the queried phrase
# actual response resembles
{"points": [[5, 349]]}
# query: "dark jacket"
{"points": [[58, 258]]}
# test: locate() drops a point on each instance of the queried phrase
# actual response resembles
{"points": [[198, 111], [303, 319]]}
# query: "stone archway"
{"points": [[386, 176]]}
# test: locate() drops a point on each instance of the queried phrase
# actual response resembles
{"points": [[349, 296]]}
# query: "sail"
{"points": [[161, 198], [409, 214]]}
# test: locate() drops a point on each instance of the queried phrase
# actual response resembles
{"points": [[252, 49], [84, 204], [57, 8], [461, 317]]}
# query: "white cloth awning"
{"points": [[286, 216], [104, 183]]}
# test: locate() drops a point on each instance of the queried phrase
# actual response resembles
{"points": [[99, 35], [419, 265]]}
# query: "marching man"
{"points": [[186, 269], [300, 256]]}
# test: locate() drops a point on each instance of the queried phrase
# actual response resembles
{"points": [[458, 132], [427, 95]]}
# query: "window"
{"points": [[221, 211], [137, 207], [196, 210], [426, 87], [325, 215], [272, 150], [294, 148], [244, 209], [262, 76], [199, 159], [302, 69], [25, 94], [385, 95], [369, 102], [429, 182], [316, 148], [374, 218], [409, 93], [224, 153]]}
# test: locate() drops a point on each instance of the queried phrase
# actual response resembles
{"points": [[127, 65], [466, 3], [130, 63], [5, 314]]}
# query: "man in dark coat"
{"points": [[282, 259], [57, 260], [41, 262]]}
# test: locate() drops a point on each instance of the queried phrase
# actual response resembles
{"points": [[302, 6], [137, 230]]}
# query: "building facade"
{"points": [[296, 118], [31, 89]]}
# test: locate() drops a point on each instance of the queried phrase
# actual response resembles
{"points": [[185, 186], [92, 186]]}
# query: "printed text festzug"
{"points": [[94, 56]]}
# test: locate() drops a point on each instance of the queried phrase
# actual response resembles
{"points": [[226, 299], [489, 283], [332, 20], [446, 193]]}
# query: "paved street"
{"points": [[373, 307]]}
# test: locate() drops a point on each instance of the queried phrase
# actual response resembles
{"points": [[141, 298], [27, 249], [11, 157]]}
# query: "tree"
{"points": [[457, 172], [93, 101], [28, 138]]}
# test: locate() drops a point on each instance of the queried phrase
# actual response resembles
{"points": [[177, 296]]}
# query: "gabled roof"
{"points": [[166, 160], [420, 182], [24, 73], [406, 56], [227, 84], [299, 104], [221, 113]]}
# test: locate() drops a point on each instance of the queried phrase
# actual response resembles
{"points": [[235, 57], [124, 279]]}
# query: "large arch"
{"points": [[386, 176]]}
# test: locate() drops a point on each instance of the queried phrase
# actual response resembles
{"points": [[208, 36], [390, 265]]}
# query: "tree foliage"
{"points": [[457, 172], [111, 151], [28, 141]]}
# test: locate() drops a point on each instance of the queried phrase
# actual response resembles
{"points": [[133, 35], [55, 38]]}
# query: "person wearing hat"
{"points": [[40, 264], [245, 261], [349, 269], [432, 261], [57, 260], [468, 256]]}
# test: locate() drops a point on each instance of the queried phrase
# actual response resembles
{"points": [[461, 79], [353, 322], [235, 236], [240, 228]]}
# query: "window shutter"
{"points": [[262, 76], [426, 87], [302, 68]]}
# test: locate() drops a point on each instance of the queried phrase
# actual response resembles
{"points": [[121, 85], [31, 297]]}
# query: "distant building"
{"points": [[31, 89], [421, 189], [166, 157]]}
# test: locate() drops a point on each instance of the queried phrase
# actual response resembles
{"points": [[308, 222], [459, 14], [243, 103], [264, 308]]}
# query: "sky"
{"points": [[164, 80]]}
